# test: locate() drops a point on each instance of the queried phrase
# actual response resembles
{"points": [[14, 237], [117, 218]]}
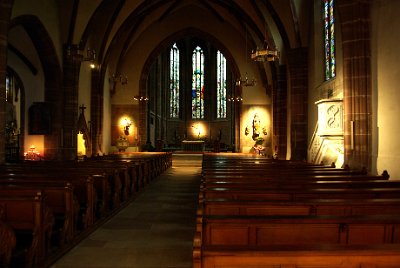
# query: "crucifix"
{"points": [[82, 108]]}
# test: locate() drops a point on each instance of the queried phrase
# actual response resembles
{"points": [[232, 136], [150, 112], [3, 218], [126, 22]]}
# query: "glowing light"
{"points": [[81, 150], [32, 154], [125, 122], [198, 130]]}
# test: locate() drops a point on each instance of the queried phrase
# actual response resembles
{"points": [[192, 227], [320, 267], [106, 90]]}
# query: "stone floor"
{"points": [[154, 231]]}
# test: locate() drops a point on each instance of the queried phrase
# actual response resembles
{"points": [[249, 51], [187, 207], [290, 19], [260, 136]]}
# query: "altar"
{"points": [[193, 146]]}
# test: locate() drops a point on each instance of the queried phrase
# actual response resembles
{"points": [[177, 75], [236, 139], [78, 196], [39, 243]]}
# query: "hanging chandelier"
{"points": [[265, 54]]}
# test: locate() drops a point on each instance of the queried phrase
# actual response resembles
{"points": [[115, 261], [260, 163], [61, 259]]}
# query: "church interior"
{"points": [[107, 98]]}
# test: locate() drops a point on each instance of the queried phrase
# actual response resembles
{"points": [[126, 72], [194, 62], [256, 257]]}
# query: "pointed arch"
{"points": [[53, 77]]}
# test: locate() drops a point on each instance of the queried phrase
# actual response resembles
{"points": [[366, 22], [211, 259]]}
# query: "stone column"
{"points": [[356, 42], [280, 113], [70, 108], [5, 13], [143, 112], [298, 83], [96, 112]]}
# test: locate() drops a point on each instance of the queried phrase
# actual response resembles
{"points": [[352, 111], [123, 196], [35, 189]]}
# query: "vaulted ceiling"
{"points": [[112, 27]]}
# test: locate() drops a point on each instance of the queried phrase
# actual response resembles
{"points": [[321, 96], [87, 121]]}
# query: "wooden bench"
{"points": [[318, 256], [305, 207], [267, 213], [153, 163], [297, 194], [279, 173], [344, 182], [8, 241], [82, 186], [32, 222], [100, 186], [249, 236], [59, 198], [300, 230], [104, 194]]}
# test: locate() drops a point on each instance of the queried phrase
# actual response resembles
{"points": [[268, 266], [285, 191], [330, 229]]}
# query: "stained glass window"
{"points": [[174, 82], [9, 87], [198, 83], [329, 39], [221, 85]]}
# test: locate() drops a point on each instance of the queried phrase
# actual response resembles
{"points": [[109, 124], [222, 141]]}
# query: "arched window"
{"points": [[198, 83], [329, 39], [221, 85], [9, 87], [174, 82]]}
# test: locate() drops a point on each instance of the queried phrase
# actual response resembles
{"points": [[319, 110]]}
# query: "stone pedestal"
{"points": [[122, 144]]}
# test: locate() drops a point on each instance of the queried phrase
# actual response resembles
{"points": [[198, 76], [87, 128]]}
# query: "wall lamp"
{"points": [[246, 82], [119, 79], [114, 79], [74, 52], [140, 98], [235, 99]]}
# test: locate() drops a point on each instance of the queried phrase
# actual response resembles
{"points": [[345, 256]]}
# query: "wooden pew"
{"points": [[253, 215], [123, 179], [344, 182], [61, 201], [338, 207], [82, 186], [253, 238], [300, 230], [319, 256], [8, 241], [103, 192], [32, 221], [276, 173], [152, 163], [297, 194], [101, 186]]}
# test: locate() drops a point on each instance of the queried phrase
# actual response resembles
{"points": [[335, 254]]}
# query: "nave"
{"points": [[156, 230]]}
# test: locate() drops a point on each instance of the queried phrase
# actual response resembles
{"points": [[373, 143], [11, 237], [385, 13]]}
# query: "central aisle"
{"points": [[155, 231]]}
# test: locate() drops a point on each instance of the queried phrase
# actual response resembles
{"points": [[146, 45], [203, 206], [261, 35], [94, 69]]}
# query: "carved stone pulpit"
{"points": [[327, 144], [330, 117]]}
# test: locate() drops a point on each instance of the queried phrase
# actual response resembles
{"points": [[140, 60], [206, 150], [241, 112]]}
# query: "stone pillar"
{"points": [[280, 113], [143, 113], [70, 107], [298, 82], [5, 13], [96, 112], [356, 44]]}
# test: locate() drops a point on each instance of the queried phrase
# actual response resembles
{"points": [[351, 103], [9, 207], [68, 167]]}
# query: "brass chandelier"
{"points": [[265, 54]]}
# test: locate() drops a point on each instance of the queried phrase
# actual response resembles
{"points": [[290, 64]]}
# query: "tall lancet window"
{"points": [[198, 83], [329, 33], [221, 85], [174, 82], [9, 86]]}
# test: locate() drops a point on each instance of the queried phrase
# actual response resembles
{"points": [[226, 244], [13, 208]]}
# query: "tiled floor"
{"points": [[154, 231]]}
